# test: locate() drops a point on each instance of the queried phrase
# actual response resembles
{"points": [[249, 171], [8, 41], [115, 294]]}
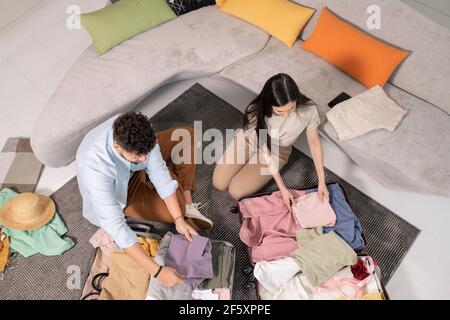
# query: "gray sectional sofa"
{"points": [[208, 42], [197, 44]]}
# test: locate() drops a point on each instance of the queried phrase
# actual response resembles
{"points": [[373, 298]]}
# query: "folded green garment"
{"points": [[305, 236], [222, 259], [116, 23], [322, 257], [46, 240]]}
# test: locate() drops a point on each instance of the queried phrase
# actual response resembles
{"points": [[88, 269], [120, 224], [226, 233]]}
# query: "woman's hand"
{"points": [[324, 194], [169, 277], [288, 198], [185, 229]]}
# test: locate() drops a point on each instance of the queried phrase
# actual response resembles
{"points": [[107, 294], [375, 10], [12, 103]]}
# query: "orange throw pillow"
{"points": [[219, 3], [368, 60]]}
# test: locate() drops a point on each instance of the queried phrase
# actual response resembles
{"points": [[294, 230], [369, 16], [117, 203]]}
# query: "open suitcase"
{"points": [[256, 285], [93, 281]]}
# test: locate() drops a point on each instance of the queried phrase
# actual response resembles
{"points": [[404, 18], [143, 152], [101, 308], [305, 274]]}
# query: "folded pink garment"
{"points": [[102, 238], [224, 293], [310, 212], [268, 227], [274, 247]]}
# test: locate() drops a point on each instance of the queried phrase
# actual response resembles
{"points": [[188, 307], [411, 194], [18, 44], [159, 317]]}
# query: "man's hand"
{"points": [[169, 277], [185, 229]]}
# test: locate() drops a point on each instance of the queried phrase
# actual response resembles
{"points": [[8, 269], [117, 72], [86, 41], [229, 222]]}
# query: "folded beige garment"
{"points": [[364, 113]]}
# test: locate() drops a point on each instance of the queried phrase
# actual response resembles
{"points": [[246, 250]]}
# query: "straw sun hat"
{"points": [[27, 211]]}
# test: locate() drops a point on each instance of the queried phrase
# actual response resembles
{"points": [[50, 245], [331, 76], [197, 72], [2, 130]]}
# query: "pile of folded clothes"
{"points": [[306, 253], [284, 279], [206, 266]]}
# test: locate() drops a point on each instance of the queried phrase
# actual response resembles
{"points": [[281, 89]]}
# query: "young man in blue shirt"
{"points": [[125, 169]]}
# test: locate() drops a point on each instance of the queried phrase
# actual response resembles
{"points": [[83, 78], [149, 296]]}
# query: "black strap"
{"points": [[157, 273], [93, 293], [141, 227], [97, 280]]}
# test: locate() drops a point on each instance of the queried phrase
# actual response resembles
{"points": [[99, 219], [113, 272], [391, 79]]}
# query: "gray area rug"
{"points": [[389, 237]]}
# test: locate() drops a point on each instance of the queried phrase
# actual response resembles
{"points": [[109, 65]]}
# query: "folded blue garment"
{"points": [[347, 226]]}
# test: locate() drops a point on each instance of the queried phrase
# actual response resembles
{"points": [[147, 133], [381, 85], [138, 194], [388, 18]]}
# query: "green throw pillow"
{"points": [[116, 23]]}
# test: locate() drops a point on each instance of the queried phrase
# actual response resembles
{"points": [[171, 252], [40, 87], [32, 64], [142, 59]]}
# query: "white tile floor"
{"points": [[27, 80]]}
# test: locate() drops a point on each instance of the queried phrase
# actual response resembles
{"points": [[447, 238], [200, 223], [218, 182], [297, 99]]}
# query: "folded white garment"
{"points": [[204, 295], [299, 288], [364, 113], [272, 275]]}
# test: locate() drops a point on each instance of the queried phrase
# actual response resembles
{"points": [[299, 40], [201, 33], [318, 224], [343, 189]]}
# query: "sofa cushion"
{"points": [[400, 159], [425, 72], [315, 4], [365, 58], [97, 88], [116, 23], [184, 6], [317, 79], [282, 19]]}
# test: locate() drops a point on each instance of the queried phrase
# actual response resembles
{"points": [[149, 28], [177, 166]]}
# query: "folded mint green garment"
{"points": [[46, 240], [320, 259]]}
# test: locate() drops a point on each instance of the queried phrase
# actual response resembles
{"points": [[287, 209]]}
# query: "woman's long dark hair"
{"points": [[278, 91]]}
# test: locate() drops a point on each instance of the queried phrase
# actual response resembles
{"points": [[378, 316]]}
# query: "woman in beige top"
{"points": [[272, 124]]}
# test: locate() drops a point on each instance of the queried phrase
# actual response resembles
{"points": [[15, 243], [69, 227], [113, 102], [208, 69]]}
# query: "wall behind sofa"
{"points": [[10, 10], [437, 10]]}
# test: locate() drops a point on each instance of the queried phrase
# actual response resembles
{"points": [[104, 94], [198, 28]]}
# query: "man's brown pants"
{"points": [[143, 199]]}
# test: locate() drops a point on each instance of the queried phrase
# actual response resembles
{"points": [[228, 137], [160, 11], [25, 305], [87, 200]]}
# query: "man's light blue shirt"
{"points": [[103, 177]]}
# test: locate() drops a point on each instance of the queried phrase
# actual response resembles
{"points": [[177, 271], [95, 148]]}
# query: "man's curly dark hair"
{"points": [[134, 132]]}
